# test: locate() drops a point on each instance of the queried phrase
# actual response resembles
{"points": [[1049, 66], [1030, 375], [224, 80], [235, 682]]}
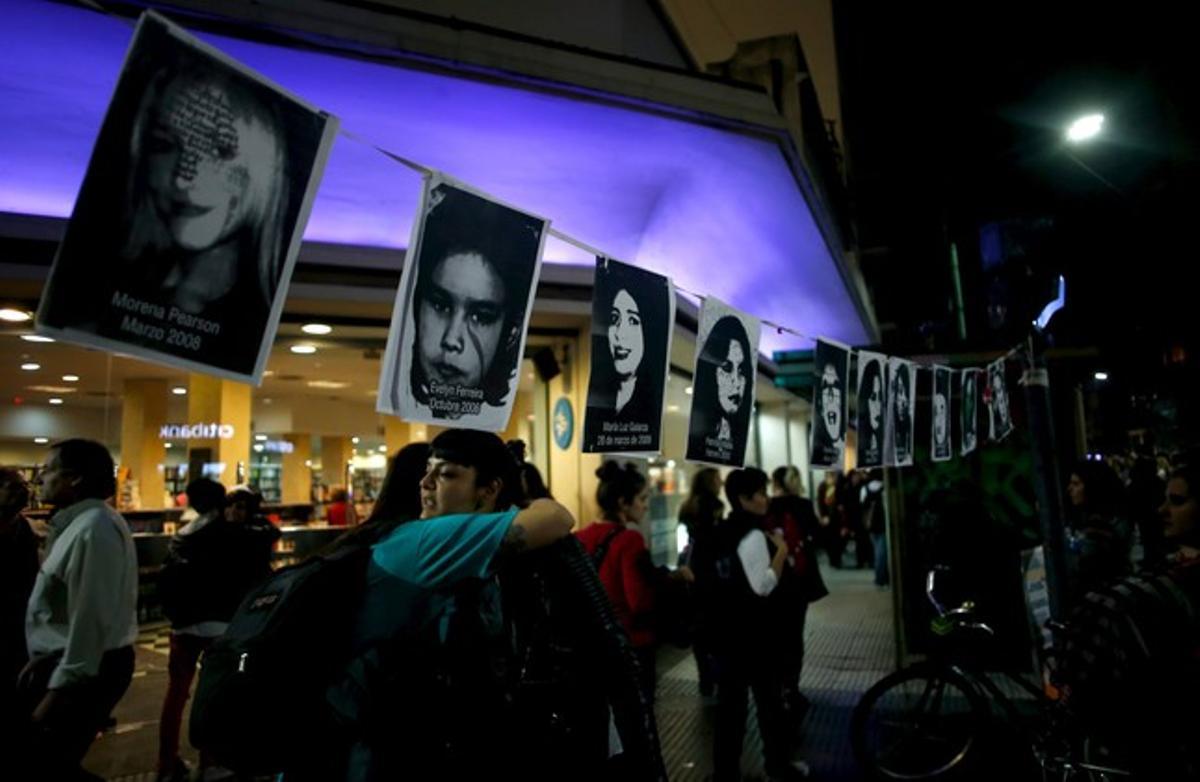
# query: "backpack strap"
{"points": [[602, 550]]}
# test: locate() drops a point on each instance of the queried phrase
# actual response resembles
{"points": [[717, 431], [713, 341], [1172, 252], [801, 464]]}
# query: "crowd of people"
{"points": [[485, 620], [850, 508]]}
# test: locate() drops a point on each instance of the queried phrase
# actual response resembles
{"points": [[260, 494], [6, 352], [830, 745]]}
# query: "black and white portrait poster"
{"points": [[970, 410], [941, 448], [872, 403], [633, 312], [999, 413], [901, 418], [723, 386], [466, 293], [831, 379], [189, 219]]}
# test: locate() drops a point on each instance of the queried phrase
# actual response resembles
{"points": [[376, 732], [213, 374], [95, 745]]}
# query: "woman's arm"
{"points": [[762, 571], [542, 523]]}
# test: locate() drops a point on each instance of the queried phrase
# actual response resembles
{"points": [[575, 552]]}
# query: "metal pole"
{"points": [[1046, 481], [959, 312]]}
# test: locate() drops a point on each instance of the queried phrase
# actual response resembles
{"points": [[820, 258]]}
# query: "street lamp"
{"points": [[1085, 128]]}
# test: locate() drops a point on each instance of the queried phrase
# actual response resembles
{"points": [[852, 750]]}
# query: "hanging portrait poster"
{"points": [[633, 311], [901, 418], [831, 376], [999, 413], [940, 446], [872, 407], [187, 226], [969, 409], [458, 328], [723, 385]]}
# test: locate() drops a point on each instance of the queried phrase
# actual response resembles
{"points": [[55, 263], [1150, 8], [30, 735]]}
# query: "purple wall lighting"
{"points": [[718, 211]]}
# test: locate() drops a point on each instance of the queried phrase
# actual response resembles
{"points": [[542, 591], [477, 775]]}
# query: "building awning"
{"points": [[716, 205]]}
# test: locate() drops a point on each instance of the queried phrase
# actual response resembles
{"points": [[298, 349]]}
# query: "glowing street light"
{"points": [[1085, 128]]}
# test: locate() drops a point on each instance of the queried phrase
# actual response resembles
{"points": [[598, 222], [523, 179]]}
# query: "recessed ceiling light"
{"points": [[326, 384], [70, 378], [179, 391], [30, 366], [168, 445], [262, 438], [14, 315], [304, 350], [36, 338], [383, 449], [320, 329], [41, 440], [258, 447], [54, 400], [354, 440]]}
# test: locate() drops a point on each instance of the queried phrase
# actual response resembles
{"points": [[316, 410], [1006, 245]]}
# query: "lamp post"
{"points": [[1047, 482]]}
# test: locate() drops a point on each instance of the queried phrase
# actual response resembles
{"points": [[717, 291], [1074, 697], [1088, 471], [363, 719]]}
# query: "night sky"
{"points": [[955, 118]]}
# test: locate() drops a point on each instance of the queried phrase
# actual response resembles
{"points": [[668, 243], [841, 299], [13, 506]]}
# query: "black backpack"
{"points": [[260, 704], [531, 702]]}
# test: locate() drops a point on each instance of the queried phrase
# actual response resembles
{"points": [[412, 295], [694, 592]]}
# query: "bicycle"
{"points": [[929, 720]]}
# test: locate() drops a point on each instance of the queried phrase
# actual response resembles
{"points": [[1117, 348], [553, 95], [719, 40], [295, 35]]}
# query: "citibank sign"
{"points": [[196, 432]]}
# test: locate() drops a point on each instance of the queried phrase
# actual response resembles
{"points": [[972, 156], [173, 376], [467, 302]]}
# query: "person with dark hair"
{"points": [[212, 562], [82, 616], [425, 692], [474, 273], [400, 496], [18, 571], [629, 345], [736, 570], [721, 407], [1180, 513], [1000, 417], [700, 514], [792, 516], [399, 500], [970, 396], [870, 414], [532, 483], [901, 430], [1098, 535], [618, 549]]}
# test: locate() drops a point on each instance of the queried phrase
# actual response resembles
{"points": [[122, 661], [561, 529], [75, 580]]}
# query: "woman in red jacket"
{"points": [[619, 551]]}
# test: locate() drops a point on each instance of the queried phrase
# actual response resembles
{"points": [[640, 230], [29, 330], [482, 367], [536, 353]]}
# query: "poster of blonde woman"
{"points": [[188, 223]]}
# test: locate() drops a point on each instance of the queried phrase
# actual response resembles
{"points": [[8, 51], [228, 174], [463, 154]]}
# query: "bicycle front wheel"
{"points": [[921, 722]]}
